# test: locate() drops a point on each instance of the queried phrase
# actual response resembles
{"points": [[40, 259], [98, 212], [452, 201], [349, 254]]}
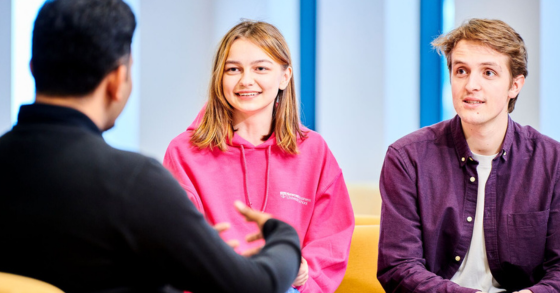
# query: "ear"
{"points": [[115, 81], [286, 78], [516, 85]]}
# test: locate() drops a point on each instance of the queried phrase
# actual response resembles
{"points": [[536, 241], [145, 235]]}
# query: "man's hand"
{"points": [[252, 215], [303, 273], [250, 238], [221, 227]]}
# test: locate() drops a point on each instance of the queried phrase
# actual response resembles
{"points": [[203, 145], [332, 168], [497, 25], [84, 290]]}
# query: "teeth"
{"points": [[247, 94], [474, 102]]}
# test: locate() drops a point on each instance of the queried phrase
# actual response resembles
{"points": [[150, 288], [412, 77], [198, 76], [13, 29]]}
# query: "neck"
{"points": [[485, 139], [88, 105], [252, 127]]}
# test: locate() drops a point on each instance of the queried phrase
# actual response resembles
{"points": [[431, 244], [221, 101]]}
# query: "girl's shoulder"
{"points": [[313, 142], [183, 139], [182, 145], [311, 137]]}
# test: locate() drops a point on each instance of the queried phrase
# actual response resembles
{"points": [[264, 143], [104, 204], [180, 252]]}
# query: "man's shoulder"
{"points": [[130, 162], [428, 134], [95, 156], [127, 157], [525, 134]]}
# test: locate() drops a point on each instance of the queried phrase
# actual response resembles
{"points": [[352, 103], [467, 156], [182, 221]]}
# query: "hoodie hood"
{"points": [[243, 145], [237, 140]]}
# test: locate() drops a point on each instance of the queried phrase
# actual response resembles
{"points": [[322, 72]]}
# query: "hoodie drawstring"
{"points": [[267, 172], [247, 197]]}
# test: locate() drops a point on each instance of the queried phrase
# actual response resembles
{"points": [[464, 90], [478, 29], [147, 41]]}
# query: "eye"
{"points": [[232, 69], [261, 68], [461, 71], [489, 73]]}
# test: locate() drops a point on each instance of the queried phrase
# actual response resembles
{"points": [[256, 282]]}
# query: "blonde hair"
{"points": [[493, 33], [216, 127]]}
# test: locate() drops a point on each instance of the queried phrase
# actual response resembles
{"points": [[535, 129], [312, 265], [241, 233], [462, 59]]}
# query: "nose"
{"points": [[473, 83], [246, 79]]}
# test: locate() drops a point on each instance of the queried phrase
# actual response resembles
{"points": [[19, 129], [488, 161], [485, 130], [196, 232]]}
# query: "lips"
{"points": [[472, 101], [247, 94]]}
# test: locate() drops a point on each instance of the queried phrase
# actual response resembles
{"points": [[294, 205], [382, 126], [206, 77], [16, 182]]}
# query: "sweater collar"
{"points": [[49, 114]]}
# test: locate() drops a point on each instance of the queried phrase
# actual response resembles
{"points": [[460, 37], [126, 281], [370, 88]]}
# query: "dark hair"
{"points": [[76, 43]]}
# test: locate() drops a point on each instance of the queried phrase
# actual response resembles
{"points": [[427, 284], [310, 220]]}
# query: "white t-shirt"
{"points": [[474, 272]]}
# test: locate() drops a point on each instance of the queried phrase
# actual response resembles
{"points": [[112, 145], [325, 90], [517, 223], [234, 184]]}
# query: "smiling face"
{"points": [[482, 85], [252, 79]]}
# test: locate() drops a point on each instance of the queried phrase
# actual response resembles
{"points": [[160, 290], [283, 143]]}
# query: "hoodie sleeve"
{"points": [[176, 164], [327, 242]]}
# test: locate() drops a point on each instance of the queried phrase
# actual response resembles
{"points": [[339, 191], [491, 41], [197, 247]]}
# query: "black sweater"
{"points": [[86, 217]]}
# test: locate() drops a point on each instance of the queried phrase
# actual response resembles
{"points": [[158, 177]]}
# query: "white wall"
{"points": [[350, 85], [550, 42], [367, 80], [176, 54], [402, 73], [524, 17], [5, 65]]}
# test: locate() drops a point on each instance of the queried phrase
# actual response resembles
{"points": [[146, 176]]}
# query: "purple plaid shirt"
{"points": [[429, 191]]}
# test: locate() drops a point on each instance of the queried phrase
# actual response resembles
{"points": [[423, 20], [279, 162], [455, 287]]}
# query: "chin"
{"points": [[471, 118], [473, 121], [107, 127]]}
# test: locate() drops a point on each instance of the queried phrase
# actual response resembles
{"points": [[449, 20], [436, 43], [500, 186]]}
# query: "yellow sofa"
{"points": [[10, 283], [361, 274], [365, 198], [362, 220]]}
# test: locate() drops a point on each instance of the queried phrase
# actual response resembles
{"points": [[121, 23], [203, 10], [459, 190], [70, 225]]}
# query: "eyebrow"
{"points": [[254, 62], [492, 64], [483, 63]]}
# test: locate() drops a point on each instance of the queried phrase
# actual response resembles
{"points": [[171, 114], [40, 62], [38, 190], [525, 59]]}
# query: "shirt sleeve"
{"points": [[551, 280], [327, 242], [401, 266], [173, 162], [176, 246]]}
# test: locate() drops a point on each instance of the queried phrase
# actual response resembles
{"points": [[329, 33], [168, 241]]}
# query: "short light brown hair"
{"points": [[216, 127], [493, 33]]}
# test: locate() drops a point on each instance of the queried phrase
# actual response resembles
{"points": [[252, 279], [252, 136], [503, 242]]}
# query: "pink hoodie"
{"points": [[306, 190]]}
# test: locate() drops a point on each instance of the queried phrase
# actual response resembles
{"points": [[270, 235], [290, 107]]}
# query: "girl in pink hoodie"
{"points": [[248, 144]]}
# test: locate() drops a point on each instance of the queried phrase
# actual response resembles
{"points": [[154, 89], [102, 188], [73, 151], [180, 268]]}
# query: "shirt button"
{"points": [[457, 258], [469, 219], [505, 153], [473, 179], [462, 159], [470, 158]]}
